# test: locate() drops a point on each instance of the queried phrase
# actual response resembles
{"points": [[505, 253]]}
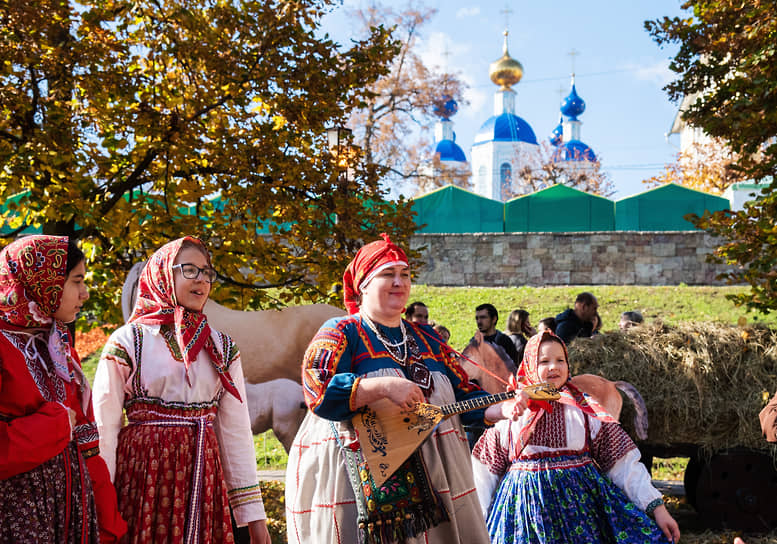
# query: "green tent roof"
{"points": [[452, 209], [663, 208], [559, 209]]}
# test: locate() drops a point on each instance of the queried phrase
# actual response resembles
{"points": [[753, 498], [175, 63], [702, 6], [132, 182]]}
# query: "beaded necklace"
{"points": [[397, 350], [416, 370]]}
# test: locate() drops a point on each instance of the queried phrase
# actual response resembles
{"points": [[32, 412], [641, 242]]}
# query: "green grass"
{"points": [[669, 469], [454, 307], [270, 454]]}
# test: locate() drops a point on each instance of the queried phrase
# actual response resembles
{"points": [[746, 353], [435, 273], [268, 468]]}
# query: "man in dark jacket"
{"points": [[578, 321], [486, 318]]}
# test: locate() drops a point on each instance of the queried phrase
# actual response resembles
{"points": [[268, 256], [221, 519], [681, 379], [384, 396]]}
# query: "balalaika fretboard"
{"points": [[474, 404]]}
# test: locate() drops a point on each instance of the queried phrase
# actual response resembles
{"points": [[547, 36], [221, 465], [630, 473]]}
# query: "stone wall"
{"points": [[589, 258]]}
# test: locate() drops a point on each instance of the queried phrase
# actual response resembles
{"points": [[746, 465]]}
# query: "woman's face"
{"points": [[192, 294], [74, 294], [552, 366], [387, 293]]}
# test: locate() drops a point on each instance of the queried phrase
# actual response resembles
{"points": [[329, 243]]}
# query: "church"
{"points": [[505, 150]]}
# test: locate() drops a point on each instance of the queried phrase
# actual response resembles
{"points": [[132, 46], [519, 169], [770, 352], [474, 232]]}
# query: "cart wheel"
{"points": [[736, 490]]}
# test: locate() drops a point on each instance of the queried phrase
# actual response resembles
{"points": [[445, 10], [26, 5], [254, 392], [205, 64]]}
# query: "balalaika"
{"points": [[389, 435]]}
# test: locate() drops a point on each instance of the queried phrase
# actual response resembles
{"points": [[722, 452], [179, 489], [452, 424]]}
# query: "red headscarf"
{"points": [[527, 375], [369, 260], [156, 305], [33, 271]]}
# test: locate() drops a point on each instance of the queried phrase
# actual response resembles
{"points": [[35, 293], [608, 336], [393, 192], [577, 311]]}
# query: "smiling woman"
{"points": [[370, 358], [166, 369]]}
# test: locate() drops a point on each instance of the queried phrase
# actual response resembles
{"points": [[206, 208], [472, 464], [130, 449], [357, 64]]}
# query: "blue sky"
{"points": [[620, 72]]}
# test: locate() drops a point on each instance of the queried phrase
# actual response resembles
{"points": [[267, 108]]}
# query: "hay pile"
{"points": [[703, 383]]}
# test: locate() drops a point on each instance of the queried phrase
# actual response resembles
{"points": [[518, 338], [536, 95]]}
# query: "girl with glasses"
{"points": [[186, 454]]}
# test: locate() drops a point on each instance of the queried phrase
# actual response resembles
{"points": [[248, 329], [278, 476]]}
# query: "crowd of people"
{"points": [[160, 448]]}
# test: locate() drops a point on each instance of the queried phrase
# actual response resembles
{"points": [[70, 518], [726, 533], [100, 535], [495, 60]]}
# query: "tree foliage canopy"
{"points": [[129, 123], [705, 166], [728, 61]]}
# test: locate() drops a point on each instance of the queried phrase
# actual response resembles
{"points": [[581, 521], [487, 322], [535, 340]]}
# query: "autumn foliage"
{"points": [[129, 123]]}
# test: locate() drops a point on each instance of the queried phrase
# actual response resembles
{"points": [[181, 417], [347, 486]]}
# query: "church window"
{"points": [[506, 180]]}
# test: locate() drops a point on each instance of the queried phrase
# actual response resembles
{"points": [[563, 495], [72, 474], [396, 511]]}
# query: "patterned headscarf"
{"points": [[369, 261], [527, 375], [33, 271], [156, 305]]}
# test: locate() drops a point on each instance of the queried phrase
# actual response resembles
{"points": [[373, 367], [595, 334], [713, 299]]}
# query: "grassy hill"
{"points": [[454, 307]]}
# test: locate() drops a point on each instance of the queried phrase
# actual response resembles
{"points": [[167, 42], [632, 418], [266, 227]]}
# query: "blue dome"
{"points": [[573, 105], [574, 150], [449, 150], [506, 127], [446, 108], [555, 136]]}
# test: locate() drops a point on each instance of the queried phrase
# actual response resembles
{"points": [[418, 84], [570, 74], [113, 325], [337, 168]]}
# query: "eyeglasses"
{"points": [[192, 272]]}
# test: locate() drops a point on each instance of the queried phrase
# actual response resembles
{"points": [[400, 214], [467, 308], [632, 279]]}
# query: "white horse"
{"points": [[272, 344], [277, 405]]}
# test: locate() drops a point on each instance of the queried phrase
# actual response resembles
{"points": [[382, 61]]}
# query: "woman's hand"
{"points": [[400, 391], [667, 524], [258, 532]]}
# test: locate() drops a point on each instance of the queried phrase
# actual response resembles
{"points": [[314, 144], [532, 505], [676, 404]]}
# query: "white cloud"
{"points": [[657, 72], [464, 13]]}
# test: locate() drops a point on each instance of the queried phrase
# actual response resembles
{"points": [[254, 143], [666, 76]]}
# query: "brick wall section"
{"points": [[551, 258]]}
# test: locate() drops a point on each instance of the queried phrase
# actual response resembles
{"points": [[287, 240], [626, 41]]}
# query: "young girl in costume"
{"points": [[565, 471], [186, 454], [54, 488]]}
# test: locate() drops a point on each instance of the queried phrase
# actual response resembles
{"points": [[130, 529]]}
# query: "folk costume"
{"points": [[330, 494], [187, 452], [565, 472], [50, 474]]}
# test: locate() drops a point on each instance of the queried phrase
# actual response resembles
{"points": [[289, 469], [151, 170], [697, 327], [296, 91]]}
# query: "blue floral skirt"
{"points": [[565, 499]]}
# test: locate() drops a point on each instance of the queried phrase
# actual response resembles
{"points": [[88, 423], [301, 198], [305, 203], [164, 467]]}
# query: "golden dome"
{"points": [[506, 71]]}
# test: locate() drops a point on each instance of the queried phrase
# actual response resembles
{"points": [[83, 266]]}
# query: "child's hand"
{"points": [[513, 409], [667, 524]]}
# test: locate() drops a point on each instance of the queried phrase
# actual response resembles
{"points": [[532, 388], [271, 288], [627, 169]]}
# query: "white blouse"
{"points": [[163, 379]]}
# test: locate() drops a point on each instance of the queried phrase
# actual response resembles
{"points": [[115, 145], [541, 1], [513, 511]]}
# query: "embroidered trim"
{"points": [[168, 334], [554, 462], [50, 386], [86, 433], [245, 495], [91, 452], [185, 406], [652, 505]]}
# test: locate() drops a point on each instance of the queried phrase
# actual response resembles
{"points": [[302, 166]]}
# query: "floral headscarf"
{"points": [[369, 260], [33, 271], [156, 305], [527, 375]]}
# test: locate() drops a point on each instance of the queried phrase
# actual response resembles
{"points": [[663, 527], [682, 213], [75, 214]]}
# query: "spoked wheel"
{"points": [[736, 489]]}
